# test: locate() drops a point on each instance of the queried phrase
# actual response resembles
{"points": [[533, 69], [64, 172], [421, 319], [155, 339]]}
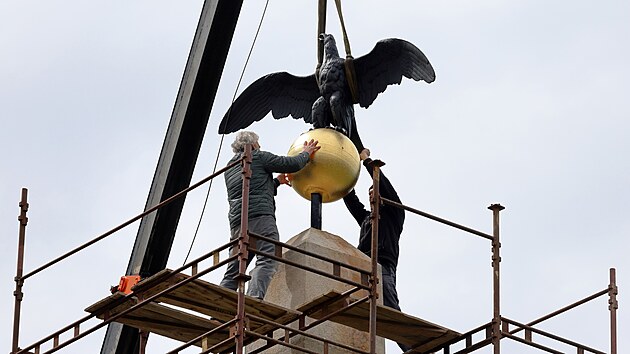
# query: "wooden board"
{"points": [[197, 295], [213, 300], [390, 323], [160, 319], [163, 316]]}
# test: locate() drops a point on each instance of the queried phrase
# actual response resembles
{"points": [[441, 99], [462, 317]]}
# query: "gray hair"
{"points": [[243, 138]]}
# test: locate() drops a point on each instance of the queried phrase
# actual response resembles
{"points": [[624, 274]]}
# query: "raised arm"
{"points": [[385, 186], [289, 164], [355, 207]]}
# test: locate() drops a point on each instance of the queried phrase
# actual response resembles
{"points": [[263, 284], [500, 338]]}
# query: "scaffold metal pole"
{"points": [[613, 306], [242, 249], [19, 280], [496, 288], [375, 203]]}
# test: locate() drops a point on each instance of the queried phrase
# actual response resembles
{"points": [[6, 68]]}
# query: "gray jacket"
{"points": [[262, 187]]}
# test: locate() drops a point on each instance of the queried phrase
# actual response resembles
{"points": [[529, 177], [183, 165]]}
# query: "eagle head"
{"points": [[330, 46]]}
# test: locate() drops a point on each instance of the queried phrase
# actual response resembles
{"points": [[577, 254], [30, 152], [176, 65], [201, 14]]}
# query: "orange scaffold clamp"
{"points": [[126, 283]]}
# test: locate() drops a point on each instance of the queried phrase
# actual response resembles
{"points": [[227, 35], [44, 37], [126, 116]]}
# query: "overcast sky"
{"points": [[529, 109]]}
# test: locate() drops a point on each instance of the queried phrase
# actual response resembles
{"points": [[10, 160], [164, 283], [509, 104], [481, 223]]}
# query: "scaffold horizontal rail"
{"points": [[162, 317], [390, 323], [209, 299], [171, 315]]}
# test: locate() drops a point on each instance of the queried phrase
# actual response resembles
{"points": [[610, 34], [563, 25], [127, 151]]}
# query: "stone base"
{"points": [[292, 287]]}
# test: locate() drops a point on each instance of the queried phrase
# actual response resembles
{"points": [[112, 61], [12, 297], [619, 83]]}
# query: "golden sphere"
{"points": [[334, 169]]}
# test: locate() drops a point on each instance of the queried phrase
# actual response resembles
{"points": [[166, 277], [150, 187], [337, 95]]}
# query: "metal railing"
{"points": [[241, 335], [20, 277]]}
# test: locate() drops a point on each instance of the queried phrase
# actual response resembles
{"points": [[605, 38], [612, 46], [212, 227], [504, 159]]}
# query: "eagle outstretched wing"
{"points": [[386, 64], [281, 93]]}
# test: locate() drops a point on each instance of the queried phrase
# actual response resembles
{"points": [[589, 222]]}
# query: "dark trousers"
{"points": [[265, 268], [390, 295]]}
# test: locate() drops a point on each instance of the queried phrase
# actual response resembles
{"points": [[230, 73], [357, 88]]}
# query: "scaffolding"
{"points": [[221, 320]]}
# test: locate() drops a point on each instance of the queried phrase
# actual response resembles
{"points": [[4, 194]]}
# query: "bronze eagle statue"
{"points": [[325, 99]]}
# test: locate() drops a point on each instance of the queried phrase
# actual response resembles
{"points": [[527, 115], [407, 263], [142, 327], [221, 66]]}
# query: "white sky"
{"points": [[529, 109]]}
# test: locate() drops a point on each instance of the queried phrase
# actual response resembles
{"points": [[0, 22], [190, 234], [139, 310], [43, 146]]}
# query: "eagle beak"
{"points": [[322, 36]]}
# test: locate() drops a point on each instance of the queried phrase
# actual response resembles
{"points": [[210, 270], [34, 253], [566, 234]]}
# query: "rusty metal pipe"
{"points": [[120, 314], [375, 203], [549, 335], [297, 331], [562, 310], [463, 336], [472, 348], [196, 261], [312, 270], [613, 305], [200, 337], [320, 321], [437, 218], [111, 319], [19, 280], [496, 289], [213, 348], [336, 312], [243, 244], [144, 338], [532, 344], [310, 254], [132, 220], [283, 343]]}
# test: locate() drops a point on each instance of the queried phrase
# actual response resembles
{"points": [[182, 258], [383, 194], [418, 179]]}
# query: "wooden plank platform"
{"points": [[161, 320], [213, 300], [390, 323], [199, 306], [197, 295]]}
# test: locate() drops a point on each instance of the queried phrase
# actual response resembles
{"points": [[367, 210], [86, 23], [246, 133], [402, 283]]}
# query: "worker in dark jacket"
{"points": [[262, 206], [390, 227]]}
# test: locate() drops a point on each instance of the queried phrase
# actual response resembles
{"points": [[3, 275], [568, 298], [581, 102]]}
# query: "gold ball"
{"points": [[334, 169]]}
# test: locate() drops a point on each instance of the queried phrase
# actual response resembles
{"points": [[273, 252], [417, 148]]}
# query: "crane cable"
{"points": [[216, 161], [321, 28], [346, 41], [351, 76]]}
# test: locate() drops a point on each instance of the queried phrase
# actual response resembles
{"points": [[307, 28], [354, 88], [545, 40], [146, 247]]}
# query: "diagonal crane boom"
{"points": [[180, 150]]}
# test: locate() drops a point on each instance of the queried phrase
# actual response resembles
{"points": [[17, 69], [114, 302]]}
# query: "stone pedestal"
{"points": [[292, 287]]}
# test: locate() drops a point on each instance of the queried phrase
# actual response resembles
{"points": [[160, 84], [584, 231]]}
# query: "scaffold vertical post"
{"points": [[19, 281], [375, 202], [496, 289], [243, 243], [144, 339], [612, 307]]}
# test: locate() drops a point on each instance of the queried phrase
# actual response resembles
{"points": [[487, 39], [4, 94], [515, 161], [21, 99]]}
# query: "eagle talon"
{"points": [[342, 130]]}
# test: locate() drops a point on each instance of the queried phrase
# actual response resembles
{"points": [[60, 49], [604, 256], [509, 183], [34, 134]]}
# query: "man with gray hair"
{"points": [[261, 212]]}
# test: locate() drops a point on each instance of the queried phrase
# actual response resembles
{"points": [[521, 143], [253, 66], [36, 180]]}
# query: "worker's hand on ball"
{"points": [[284, 178], [311, 147], [365, 153]]}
